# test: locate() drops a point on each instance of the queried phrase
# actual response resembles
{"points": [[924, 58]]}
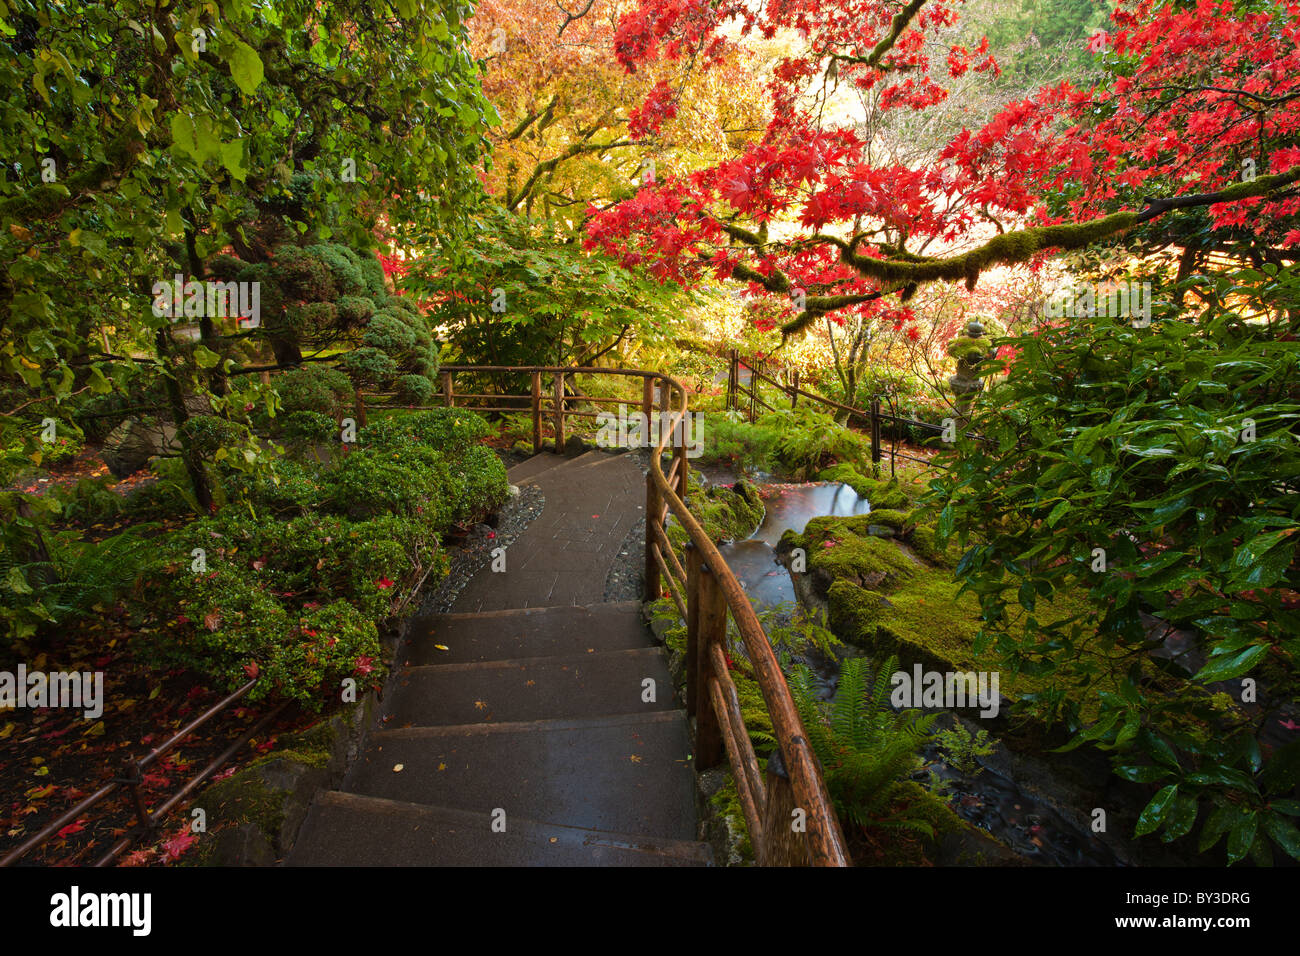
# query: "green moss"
{"points": [[1010, 247], [881, 494], [890, 518], [924, 541], [868, 560], [729, 514], [726, 804], [970, 349]]}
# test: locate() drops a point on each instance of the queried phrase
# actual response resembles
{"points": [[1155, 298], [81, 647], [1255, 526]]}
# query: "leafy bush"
{"points": [[730, 440], [413, 390], [1156, 470], [449, 430], [309, 427], [369, 366], [228, 627], [807, 439], [388, 334], [314, 388]]}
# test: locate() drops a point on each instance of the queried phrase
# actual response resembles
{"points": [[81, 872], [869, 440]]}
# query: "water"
{"points": [[989, 800], [789, 507]]}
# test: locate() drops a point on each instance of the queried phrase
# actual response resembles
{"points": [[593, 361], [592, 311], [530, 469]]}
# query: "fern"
{"points": [[865, 748]]}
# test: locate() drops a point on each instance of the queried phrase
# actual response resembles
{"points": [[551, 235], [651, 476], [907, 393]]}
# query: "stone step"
{"points": [[538, 688], [628, 773], [549, 464], [344, 829], [526, 632]]}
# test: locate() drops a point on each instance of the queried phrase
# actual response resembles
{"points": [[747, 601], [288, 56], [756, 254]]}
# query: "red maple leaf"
{"points": [[176, 847], [383, 584], [71, 828]]}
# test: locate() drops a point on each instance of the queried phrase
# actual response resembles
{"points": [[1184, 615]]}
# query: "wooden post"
{"points": [[679, 455], [875, 431], [447, 398], [537, 412], [782, 843], [694, 683], [559, 412], [794, 388], [359, 406], [647, 398], [653, 589], [711, 627], [733, 379], [753, 390]]}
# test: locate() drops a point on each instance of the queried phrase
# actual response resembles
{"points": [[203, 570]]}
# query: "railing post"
{"points": [[679, 445], [694, 684], [559, 412], [647, 399], [537, 412], [875, 431], [711, 627], [359, 406], [782, 843], [447, 398], [653, 506], [733, 379]]}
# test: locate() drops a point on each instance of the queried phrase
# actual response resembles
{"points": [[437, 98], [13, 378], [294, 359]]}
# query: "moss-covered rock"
{"points": [[253, 816], [887, 495], [728, 513]]}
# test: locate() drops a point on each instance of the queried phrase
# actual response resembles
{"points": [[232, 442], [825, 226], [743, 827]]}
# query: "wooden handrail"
{"points": [[811, 833]]}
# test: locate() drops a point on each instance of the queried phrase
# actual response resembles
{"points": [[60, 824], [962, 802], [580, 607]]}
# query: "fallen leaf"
{"points": [[442, 647], [398, 767]]}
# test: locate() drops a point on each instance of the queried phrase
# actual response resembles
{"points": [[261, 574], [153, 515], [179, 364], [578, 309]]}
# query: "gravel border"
{"points": [[475, 550]]}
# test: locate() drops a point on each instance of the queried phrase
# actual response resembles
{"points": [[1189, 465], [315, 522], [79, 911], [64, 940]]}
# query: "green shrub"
{"points": [[807, 439], [369, 366], [309, 427], [413, 390], [482, 483], [354, 310], [314, 388], [449, 430], [729, 440], [1156, 470], [389, 334], [223, 625]]}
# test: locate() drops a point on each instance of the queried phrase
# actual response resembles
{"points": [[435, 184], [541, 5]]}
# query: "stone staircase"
{"points": [[520, 732]]}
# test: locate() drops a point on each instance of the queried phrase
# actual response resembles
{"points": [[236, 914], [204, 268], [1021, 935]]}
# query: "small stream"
{"points": [[1032, 828]]}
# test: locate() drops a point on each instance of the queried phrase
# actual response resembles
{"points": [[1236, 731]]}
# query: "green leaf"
{"points": [[1284, 834], [1241, 836], [232, 157], [205, 357], [245, 67], [1181, 818], [1155, 811], [1148, 774], [1231, 665]]}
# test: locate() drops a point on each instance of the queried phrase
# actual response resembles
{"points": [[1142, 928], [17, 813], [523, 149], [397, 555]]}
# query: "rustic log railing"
{"points": [[148, 821], [872, 415], [788, 810]]}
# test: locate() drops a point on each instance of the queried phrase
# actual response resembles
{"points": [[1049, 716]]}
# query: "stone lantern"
{"points": [[969, 349]]}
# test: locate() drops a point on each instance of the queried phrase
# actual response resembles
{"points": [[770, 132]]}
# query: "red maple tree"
{"points": [[1199, 106]]}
